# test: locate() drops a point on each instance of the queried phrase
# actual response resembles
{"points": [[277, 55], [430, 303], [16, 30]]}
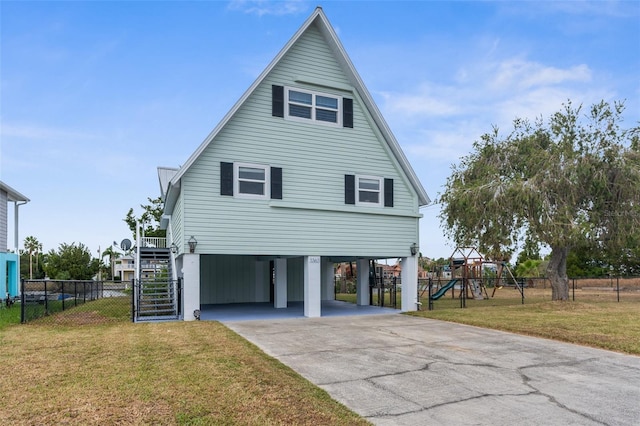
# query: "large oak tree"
{"points": [[572, 180]]}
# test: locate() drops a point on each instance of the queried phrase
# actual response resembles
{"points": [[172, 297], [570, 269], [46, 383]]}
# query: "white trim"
{"points": [[314, 94], [380, 202], [267, 181], [347, 208]]}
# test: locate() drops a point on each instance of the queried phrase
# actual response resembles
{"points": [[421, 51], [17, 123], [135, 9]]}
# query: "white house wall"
{"points": [[312, 217]]}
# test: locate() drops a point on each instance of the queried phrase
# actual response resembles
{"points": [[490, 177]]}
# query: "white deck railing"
{"points": [[157, 242]]}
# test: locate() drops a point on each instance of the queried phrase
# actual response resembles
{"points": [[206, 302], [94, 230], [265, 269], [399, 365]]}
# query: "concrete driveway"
{"points": [[402, 370]]}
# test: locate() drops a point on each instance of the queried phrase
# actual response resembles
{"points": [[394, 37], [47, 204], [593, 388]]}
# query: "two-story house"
{"points": [[298, 175], [9, 262]]}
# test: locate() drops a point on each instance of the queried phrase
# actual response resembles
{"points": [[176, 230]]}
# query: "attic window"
{"points": [[314, 106]]}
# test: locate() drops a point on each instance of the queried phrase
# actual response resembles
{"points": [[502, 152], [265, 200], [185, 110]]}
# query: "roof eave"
{"points": [[12, 194]]}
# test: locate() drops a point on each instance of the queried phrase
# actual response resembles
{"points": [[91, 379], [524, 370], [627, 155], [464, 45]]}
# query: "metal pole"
{"points": [[618, 287], [430, 290], [22, 302], [62, 295], [180, 296], [133, 303], [574, 289], [46, 299]]}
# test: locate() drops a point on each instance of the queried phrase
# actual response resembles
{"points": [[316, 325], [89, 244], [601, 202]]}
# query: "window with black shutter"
{"points": [[226, 178], [347, 112], [277, 101], [388, 192], [276, 183], [349, 189]]}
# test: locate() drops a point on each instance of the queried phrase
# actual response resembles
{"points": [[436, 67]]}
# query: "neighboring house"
{"points": [[9, 262], [299, 175], [124, 267]]}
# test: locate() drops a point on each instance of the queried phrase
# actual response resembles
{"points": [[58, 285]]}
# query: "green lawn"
{"points": [[594, 319], [9, 316], [92, 366], [601, 324]]}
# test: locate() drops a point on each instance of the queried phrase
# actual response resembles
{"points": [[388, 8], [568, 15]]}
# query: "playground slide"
{"points": [[438, 294]]}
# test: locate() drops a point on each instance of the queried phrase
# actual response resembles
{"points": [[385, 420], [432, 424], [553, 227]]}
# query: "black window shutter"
{"points": [[277, 101], [388, 192], [226, 178], [349, 189], [276, 183], [347, 112]]}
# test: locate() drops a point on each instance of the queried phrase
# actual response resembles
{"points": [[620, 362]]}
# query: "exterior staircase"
{"points": [[156, 294]]}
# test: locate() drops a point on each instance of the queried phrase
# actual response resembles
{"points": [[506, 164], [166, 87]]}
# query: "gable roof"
{"points": [[320, 20]]}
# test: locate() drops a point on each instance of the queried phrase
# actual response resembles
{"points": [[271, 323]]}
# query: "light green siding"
{"points": [[312, 218], [177, 227]]}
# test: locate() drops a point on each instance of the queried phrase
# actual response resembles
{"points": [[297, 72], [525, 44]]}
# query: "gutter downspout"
{"points": [[15, 219]]}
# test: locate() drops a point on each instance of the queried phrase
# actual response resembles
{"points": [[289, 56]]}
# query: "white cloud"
{"points": [[429, 100], [32, 132], [520, 74], [267, 7], [491, 92]]}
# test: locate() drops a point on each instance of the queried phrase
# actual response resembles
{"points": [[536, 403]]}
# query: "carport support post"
{"points": [[280, 289], [362, 289], [191, 283], [312, 287], [327, 280], [409, 282]]}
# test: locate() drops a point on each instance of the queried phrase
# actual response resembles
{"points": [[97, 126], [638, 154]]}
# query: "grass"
{"points": [[92, 366], [89, 365], [9, 316], [595, 319]]}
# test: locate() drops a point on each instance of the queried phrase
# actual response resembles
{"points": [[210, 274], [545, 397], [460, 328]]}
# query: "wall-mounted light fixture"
{"points": [[414, 249], [174, 248], [192, 244]]}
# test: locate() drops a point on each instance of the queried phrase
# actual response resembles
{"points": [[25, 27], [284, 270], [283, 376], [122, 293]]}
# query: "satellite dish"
{"points": [[125, 244]]}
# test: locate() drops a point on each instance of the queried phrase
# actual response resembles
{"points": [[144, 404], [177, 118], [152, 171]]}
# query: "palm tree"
{"points": [[33, 246], [109, 251]]}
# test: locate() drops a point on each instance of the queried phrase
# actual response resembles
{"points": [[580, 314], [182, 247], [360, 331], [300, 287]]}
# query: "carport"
{"points": [[266, 311]]}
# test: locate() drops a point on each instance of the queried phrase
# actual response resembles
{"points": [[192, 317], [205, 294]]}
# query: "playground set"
{"points": [[468, 276]]}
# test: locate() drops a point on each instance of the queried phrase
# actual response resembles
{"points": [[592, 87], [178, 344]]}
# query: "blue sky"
{"points": [[95, 95]]}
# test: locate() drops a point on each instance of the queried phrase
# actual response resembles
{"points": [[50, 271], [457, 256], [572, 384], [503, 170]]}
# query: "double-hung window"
{"points": [[306, 105], [251, 181], [369, 190]]}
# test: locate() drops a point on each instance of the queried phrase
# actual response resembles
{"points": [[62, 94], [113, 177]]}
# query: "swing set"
{"points": [[469, 276]]}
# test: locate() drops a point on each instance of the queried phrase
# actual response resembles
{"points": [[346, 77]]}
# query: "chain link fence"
{"points": [[44, 298], [581, 289]]}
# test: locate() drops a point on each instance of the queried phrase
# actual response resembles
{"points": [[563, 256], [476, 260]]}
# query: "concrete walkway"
{"points": [[402, 370]]}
